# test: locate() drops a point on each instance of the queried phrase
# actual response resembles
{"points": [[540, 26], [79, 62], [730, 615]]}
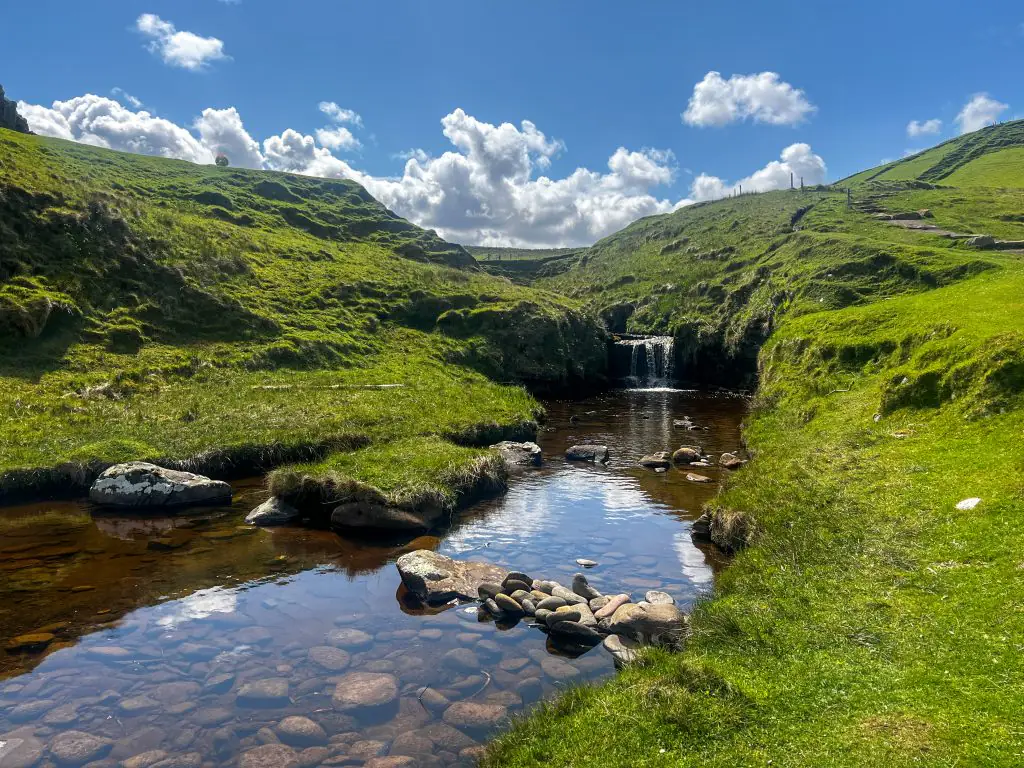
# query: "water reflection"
{"points": [[198, 637]]}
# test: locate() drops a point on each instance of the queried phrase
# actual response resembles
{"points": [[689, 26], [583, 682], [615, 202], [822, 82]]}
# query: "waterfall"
{"points": [[651, 361]]}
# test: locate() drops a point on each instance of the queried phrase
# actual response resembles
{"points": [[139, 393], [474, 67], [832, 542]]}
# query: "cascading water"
{"points": [[650, 361]]}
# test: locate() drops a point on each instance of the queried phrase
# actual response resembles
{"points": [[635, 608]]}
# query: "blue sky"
{"points": [[592, 77]]}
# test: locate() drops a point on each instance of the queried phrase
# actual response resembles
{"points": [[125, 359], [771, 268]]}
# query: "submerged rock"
{"points": [[74, 748], [370, 515], [20, 749], [139, 484], [271, 512], [693, 477], [365, 690], [594, 453], [519, 454], [434, 578]]}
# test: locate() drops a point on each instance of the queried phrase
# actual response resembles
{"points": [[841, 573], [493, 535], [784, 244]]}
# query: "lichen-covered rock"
{"points": [[519, 454], [273, 512], [139, 484], [434, 578]]}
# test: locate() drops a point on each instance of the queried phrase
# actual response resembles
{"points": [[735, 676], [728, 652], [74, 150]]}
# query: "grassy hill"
{"points": [[226, 318], [870, 618]]}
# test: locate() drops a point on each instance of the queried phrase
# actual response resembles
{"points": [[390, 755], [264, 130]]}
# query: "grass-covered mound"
{"points": [[226, 318], [874, 620]]}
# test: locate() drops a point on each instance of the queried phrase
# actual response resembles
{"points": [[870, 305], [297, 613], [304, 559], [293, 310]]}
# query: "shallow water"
{"points": [[159, 623]]}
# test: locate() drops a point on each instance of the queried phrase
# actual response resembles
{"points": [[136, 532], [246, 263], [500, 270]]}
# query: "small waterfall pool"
{"points": [[644, 362]]}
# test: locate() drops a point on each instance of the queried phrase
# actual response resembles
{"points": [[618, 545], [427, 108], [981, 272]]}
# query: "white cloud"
{"points": [[337, 138], [762, 97], [924, 128], [179, 48], [487, 189], [122, 94], [797, 159], [980, 111], [340, 115]]}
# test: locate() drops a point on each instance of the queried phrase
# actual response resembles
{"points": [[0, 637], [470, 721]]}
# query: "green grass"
{"points": [[1004, 168], [154, 309], [870, 623]]}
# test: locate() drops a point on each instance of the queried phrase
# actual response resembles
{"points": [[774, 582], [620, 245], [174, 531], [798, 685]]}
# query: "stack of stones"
{"points": [[580, 618]]}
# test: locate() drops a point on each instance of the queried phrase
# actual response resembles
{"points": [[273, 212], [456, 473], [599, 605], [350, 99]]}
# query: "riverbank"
{"points": [[874, 621]]}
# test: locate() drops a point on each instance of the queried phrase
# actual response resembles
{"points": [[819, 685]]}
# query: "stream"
{"points": [[200, 639]]}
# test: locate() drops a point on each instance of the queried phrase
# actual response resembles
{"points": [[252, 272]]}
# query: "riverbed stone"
{"points": [[566, 613], [515, 585], [36, 641], [269, 756], [269, 692], [365, 690], [434, 578], [140, 484], [188, 760], [30, 710], [623, 649], [349, 639], [551, 603], [145, 760], [656, 597], [330, 658], [660, 460], [530, 689], [519, 454], [663, 622], [581, 587], [519, 576], [272, 512], [461, 660], [611, 606], [508, 606], [20, 748], [687, 454], [474, 716], [730, 461], [693, 477], [559, 669], [411, 744], [74, 748], [297, 731], [593, 453]]}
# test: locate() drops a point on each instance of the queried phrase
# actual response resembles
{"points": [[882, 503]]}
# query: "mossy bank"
{"points": [[876, 617], [228, 320]]}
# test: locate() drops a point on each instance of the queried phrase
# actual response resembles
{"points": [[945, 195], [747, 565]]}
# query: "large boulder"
{"points": [[519, 454], [273, 512], [139, 484], [661, 623], [434, 578], [595, 453]]}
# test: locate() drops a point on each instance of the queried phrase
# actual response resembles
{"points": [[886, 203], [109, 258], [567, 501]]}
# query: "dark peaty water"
{"points": [[197, 636]]}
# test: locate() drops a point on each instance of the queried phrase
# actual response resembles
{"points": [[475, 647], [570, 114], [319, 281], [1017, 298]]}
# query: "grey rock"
{"points": [[981, 241], [695, 478], [74, 748], [519, 454], [562, 614], [365, 690], [599, 602], [687, 454], [270, 692], [570, 597], [558, 669], [655, 597], [434, 700], [541, 615], [665, 624], [331, 659], [434, 578], [585, 563], [145, 760], [611, 606], [474, 716], [20, 749], [544, 586], [461, 660], [623, 649], [139, 484], [299, 731], [491, 607], [582, 587], [349, 639], [528, 607], [515, 585], [273, 511], [488, 590], [517, 576], [730, 461], [508, 606], [551, 603], [189, 760], [593, 453], [660, 460], [269, 756], [9, 117], [30, 710], [530, 689]]}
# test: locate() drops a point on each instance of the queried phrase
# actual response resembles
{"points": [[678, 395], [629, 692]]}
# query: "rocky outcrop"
{"points": [[434, 578], [139, 484], [519, 454], [9, 117]]}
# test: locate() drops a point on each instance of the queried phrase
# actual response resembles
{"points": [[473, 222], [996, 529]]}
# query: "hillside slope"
{"points": [[873, 615], [152, 308]]}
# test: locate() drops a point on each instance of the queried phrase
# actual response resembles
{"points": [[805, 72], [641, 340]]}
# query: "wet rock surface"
{"points": [[434, 578], [138, 484]]}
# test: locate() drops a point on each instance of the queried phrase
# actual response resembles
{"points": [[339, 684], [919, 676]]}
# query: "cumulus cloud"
{"points": [[488, 189], [762, 97], [924, 128], [179, 48], [340, 115], [980, 111], [123, 95], [797, 159]]}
